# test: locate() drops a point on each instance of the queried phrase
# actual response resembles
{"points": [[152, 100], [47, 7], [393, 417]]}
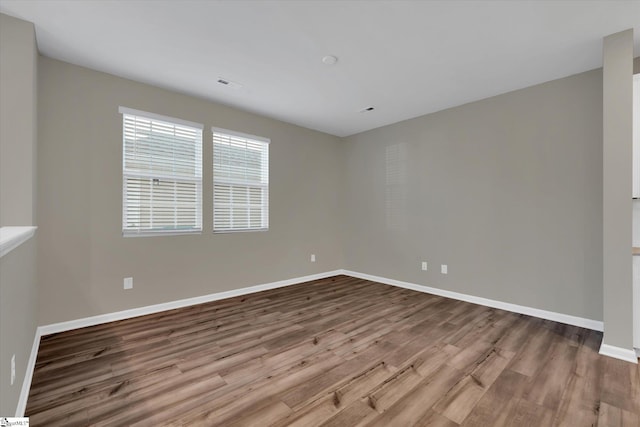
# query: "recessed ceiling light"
{"points": [[329, 59], [366, 110], [229, 83]]}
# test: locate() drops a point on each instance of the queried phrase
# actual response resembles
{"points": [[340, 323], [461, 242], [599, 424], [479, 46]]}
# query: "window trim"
{"points": [[125, 174], [154, 116], [261, 139], [240, 135]]}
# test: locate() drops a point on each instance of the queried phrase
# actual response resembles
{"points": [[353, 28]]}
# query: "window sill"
{"points": [[160, 233], [250, 230], [12, 237]]}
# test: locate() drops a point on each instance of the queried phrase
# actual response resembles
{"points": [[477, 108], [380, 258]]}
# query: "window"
{"points": [[162, 174], [240, 182]]}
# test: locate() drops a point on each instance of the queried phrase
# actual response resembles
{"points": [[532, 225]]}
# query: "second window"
{"points": [[240, 181]]}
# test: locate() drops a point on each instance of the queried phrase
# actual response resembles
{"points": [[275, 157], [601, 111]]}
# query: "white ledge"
{"points": [[12, 237]]}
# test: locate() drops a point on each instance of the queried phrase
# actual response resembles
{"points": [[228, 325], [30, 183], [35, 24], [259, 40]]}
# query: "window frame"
{"points": [[125, 111], [256, 139]]}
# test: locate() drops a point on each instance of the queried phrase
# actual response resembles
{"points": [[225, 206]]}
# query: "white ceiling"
{"points": [[405, 58]]}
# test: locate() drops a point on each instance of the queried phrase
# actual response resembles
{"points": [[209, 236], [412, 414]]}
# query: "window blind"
{"points": [[240, 181], [162, 174]]}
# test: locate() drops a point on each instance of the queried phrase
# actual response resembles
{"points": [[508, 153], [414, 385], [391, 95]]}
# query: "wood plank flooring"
{"points": [[333, 352]]}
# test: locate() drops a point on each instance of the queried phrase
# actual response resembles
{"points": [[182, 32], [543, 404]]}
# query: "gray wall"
{"points": [[18, 319], [18, 316], [18, 78], [617, 176], [506, 191], [83, 257]]}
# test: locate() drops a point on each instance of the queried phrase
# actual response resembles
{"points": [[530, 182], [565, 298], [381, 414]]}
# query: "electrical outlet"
{"points": [[313, 257], [443, 269], [13, 369], [424, 265], [128, 282]]}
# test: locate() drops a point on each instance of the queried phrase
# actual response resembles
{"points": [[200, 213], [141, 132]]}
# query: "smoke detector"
{"points": [[329, 60]]}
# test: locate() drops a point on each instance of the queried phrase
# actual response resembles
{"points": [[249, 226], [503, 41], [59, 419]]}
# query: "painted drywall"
{"points": [[18, 78], [18, 319], [506, 191], [83, 257], [617, 89], [18, 287]]}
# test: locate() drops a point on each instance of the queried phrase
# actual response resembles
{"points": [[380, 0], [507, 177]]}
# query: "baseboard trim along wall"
{"points": [[156, 308], [596, 325], [619, 353], [28, 375]]}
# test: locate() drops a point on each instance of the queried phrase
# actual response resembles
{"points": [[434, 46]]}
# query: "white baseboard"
{"points": [[619, 353], [150, 309], [28, 376], [156, 308], [521, 309]]}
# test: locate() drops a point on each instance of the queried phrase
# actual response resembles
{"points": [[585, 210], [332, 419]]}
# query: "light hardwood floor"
{"points": [[333, 352]]}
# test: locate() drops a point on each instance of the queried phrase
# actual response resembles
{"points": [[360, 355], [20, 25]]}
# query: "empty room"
{"points": [[319, 213]]}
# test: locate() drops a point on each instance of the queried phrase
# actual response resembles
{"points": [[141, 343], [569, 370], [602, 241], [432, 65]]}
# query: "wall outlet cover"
{"points": [[443, 269], [128, 282]]}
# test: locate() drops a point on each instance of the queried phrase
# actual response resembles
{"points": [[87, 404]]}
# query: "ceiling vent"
{"points": [[229, 83]]}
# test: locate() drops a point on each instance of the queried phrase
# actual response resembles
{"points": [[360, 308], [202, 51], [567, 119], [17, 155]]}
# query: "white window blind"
{"points": [[240, 181], [162, 174]]}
